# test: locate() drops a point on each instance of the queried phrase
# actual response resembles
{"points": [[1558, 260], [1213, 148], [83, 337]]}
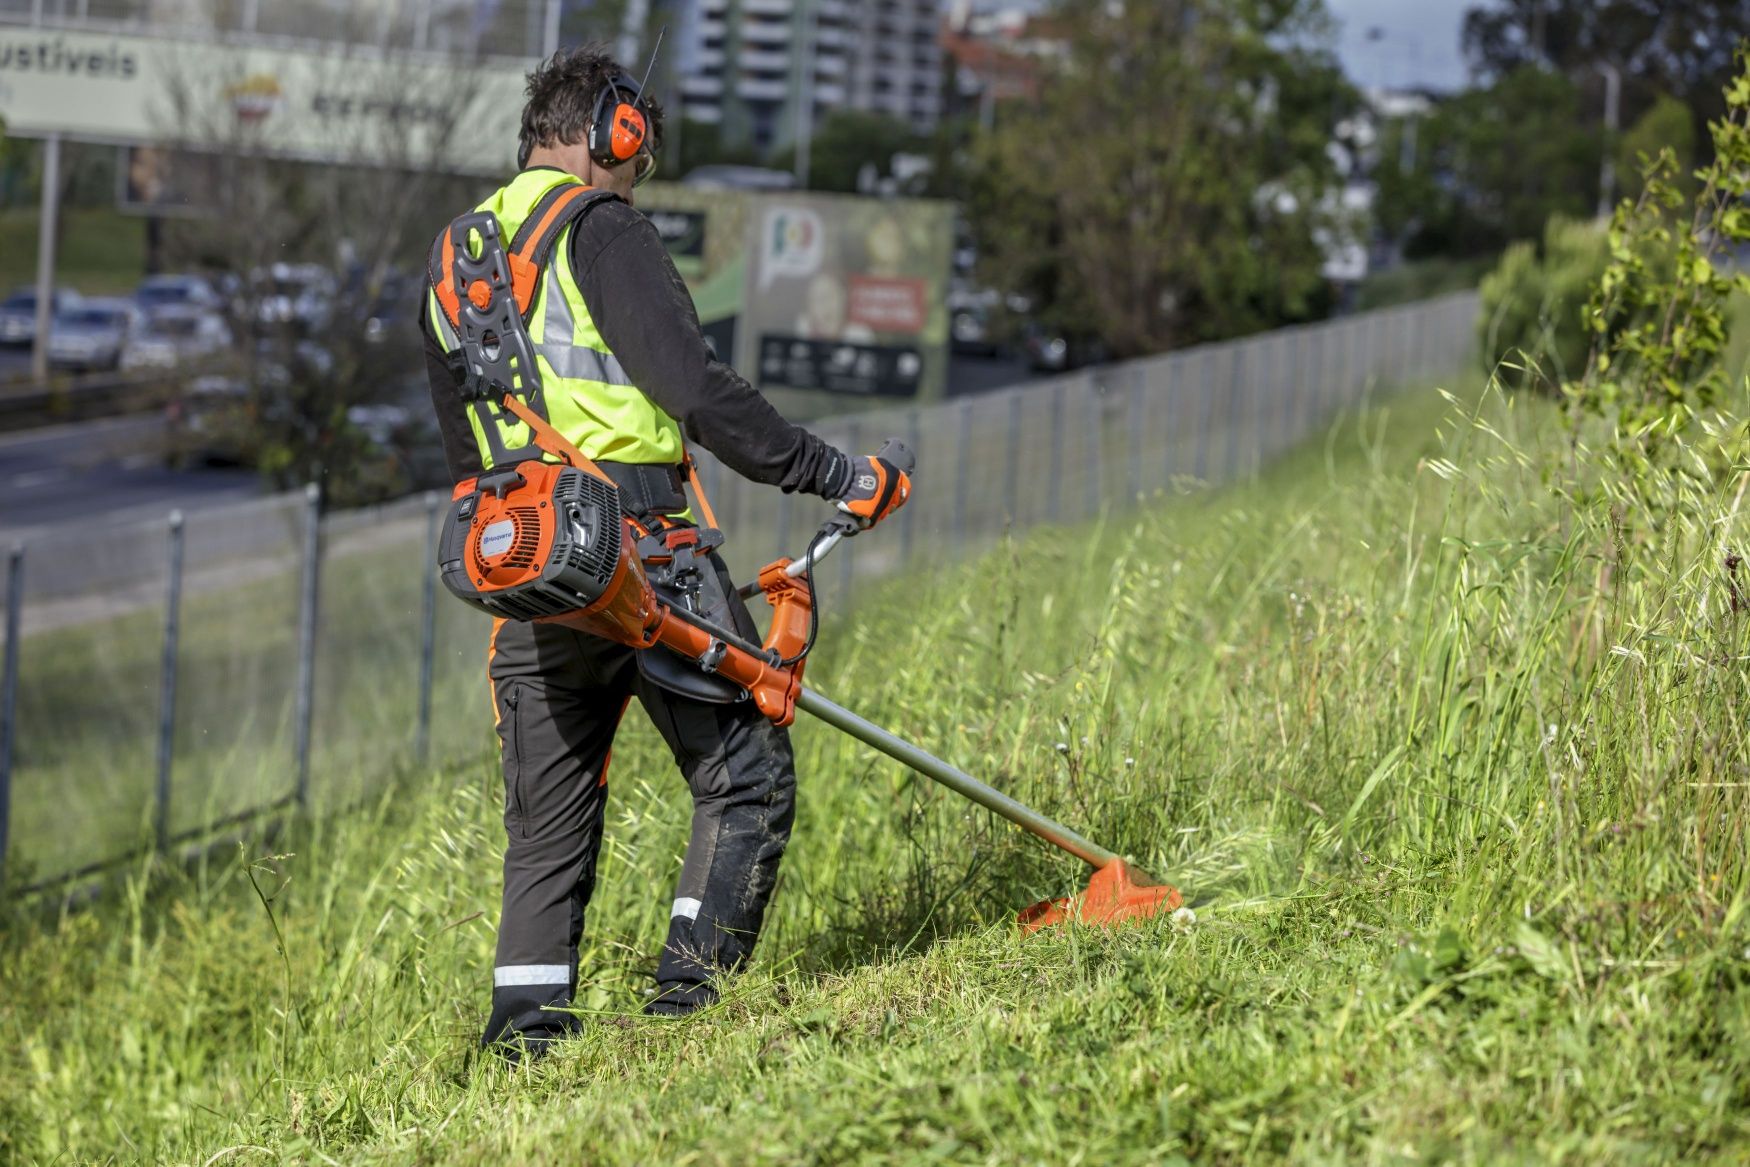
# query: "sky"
{"points": [[1420, 47]]}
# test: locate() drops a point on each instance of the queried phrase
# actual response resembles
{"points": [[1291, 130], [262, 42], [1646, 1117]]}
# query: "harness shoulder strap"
{"points": [[527, 255], [535, 239]]}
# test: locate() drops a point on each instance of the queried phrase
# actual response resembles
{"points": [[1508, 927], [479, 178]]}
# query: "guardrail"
{"points": [[160, 682], [27, 404]]}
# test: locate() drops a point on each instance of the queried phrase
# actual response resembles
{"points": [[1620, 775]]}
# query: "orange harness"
{"points": [[526, 257]]}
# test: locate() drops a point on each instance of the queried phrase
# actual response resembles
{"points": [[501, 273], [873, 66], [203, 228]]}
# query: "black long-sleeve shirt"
{"points": [[645, 314]]}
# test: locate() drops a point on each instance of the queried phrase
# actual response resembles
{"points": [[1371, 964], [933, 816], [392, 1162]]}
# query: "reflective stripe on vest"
{"points": [[588, 396]]}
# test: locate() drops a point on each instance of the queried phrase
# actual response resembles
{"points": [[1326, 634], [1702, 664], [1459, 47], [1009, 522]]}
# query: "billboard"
{"points": [[155, 180], [847, 296], [345, 104], [819, 300]]}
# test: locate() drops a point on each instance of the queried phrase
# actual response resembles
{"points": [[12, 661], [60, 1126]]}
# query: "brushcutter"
{"points": [[549, 542]]}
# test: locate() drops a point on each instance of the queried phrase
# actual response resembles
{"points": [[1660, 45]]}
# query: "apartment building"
{"points": [[748, 65]]}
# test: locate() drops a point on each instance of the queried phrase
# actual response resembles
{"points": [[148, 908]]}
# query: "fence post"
{"points": [[306, 693], [783, 525], [9, 691], [1012, 466], [1369, 352], [1347, 370], [962, 472], [1205, 415], [167, 686], [914, 436], [1133, 416], [427, 628], [1293, 377], [853, 441], [1267, 408], [1236, 379], [1054, 501], [1096, 446], [1421, 350]]}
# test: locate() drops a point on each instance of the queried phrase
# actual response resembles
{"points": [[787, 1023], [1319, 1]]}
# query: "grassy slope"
{"points": [[1470, 885], [102, 251]]}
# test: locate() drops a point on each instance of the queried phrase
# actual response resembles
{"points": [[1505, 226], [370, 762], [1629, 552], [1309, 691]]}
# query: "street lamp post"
{"points": [[1612, 118], [803, 125]]}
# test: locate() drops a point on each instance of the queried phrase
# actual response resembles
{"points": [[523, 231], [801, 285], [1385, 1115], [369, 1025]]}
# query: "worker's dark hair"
{"points": [[561, 97]]}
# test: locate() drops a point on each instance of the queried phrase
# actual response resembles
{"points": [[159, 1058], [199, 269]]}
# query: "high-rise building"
{"points": [[749, 65]]}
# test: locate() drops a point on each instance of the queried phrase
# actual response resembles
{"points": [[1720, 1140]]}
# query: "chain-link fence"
{"points": [[163, 681]]}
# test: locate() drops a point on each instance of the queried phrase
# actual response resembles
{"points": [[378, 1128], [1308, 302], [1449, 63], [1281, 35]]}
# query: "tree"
{"points": [[692, 143], [1683, 50], [846, 141], [307, 359], [1666, 125], [1166, 186], [1493, 165]]}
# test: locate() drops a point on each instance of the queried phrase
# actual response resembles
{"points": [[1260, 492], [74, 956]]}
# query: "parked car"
{"points": [[175, 336], [18, 313], [728, 177], [971, 334], [209, 423], [292, 294], [157, 293], [396, 297], [92, 334], [219, 417], [1049, 351], [973, 317], [405, 438]]}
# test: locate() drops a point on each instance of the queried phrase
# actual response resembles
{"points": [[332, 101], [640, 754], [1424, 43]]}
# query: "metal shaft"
{"points": [[958, 781]]}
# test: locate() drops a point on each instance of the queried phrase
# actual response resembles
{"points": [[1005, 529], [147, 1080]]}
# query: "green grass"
{"points": [[1452, 769], [102, 251], [89, 694]]}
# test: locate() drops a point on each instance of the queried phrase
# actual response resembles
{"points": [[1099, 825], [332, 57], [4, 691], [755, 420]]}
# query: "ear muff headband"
{"points": [[617, 129]]}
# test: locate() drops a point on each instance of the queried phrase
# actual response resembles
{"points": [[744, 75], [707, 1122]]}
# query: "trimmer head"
{"points": [[1112, 898]]}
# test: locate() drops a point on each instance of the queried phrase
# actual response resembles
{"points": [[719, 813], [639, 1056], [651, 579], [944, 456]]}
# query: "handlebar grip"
{"points": [[899, 454]]}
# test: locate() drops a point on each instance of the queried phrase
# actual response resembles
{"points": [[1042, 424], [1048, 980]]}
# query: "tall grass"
{"points": [[1452, 767]]}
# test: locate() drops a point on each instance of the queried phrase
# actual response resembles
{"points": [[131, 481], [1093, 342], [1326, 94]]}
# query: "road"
{"points": [[102, 472], [111, 471], [14, 361], [970, 374]]}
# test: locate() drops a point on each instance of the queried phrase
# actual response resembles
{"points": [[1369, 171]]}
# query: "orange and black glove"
{"points": [[879, 484]]}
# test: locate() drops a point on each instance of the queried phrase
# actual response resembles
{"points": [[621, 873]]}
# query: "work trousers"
{"points": [[559, 696]]}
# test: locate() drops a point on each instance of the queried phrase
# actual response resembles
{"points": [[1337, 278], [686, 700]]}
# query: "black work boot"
{"points": [[679, 998], [521, 1029]]}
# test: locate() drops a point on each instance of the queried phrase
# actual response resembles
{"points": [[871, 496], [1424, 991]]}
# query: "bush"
{"points": [[1532, 319]]}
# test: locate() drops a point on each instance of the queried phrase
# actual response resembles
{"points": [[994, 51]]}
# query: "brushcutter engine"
{"points": [[541, 541], [549, 543]]}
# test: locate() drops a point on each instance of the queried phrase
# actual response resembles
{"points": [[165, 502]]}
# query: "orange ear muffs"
{"points": [[627, 137], [617, 128]]}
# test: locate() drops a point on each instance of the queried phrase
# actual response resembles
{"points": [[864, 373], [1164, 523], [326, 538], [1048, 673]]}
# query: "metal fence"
{"points": [[163, 681]]}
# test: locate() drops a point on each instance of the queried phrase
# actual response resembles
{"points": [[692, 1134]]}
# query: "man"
{"points": [[625, 372]]}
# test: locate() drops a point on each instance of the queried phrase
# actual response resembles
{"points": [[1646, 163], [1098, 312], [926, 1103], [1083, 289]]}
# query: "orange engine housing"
{"points": [[549, 543], [542, 541]]}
